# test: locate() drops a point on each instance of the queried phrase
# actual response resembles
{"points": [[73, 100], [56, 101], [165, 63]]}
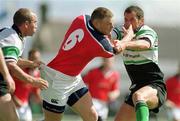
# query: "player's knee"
{"points": [[117, 119], [137, 96], [93, 116], [5, 98], [12, 117]]}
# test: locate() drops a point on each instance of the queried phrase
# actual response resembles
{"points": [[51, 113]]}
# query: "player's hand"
{"points": [[36, 64], [124, 31], [40, 83], [119, 46], [129, 32], [10, 83]]}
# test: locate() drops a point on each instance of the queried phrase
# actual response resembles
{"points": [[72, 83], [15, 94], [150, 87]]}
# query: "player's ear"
{"points": [[26, 24], [96, 23], [142, 20]]}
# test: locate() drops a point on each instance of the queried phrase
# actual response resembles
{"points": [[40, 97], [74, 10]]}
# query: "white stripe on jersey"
{"points": [[9, 38], [144, 56]]}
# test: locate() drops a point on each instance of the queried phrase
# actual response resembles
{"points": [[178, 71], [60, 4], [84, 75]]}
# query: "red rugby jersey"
{"points": [[173, 89], [100, 84], [23, 89], [81, 44]]}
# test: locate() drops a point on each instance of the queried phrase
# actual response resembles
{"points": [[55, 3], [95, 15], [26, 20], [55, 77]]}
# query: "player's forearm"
{"points": [[3, 68], [23, 63], [127, 37], [137, 45], [19, 73]]}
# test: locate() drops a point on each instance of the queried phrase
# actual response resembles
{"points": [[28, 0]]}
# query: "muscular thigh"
{"points": [[7, 109], [52, 116], [148, 94], [84, 104], [126, 113], [61, 87], [24, 113]]}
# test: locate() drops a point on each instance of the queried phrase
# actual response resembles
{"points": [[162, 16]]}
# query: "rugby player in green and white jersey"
{"points": [[11, 43], [140, 56], [7, 109]]}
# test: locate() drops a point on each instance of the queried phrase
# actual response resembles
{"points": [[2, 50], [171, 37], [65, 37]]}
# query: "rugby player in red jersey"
{"points": [[103, 83], [86, 38]]}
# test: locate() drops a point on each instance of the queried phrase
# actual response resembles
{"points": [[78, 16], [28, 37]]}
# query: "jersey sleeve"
{"points": [[11, 53], [105, 42], [149, 35], [116, 33]]}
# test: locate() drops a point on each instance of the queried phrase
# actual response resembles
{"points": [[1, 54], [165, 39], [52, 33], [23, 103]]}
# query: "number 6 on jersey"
{"points": [[75, 36]]}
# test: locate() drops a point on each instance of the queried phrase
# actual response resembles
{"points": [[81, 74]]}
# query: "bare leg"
{"points": [[126, 113], [7, 109], [148, 95], [51, 116], [144, 99], [85, 108]]}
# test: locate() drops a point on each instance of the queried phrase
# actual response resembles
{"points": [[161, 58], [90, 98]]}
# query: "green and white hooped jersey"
{"points": [[138, 57], [11, 44]]}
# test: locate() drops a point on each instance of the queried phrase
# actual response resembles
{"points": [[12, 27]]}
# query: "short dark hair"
{"points": [[101, 13], [32, 51], [139, 12], [21, 16]]}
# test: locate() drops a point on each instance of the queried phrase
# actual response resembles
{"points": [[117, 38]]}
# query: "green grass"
{"points": [[68, 117]]}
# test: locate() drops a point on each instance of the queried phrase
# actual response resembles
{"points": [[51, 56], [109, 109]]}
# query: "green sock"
{"points": [[142, 111]]}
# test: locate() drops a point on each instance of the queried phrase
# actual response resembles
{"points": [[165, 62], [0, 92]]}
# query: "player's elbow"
{"points": [[145, 46], [11, 65]]}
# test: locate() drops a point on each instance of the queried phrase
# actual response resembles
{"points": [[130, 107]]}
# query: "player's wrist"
{"points": [[123, 45]]}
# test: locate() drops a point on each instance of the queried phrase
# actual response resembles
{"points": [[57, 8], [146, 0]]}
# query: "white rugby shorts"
{"points": [[101, 108], [61, 86], [24, 113], [176, 113]]}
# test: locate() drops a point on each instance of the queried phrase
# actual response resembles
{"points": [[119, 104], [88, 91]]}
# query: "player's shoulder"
{"points": [[116, 33], [9, 36], [83, 17], [145, 29], [7, 31]]}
